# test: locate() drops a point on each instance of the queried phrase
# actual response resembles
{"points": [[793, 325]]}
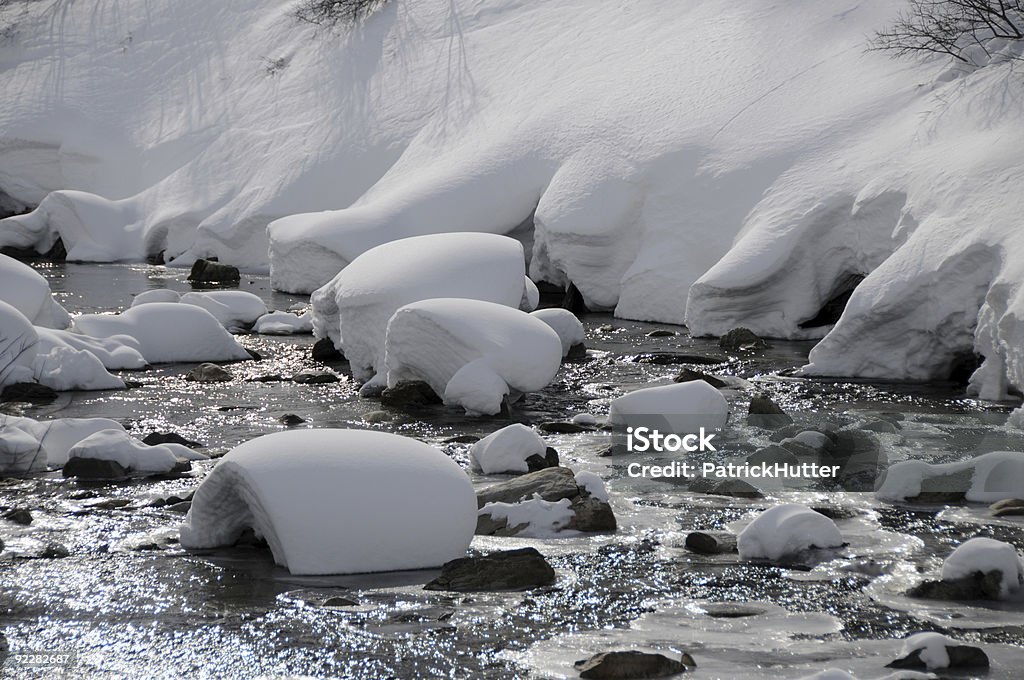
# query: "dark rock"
{"points": [[707, 543], [209, 373], [690, 375], [576, 352], [182, 507], [409, 394], [272, 377], [741, 339], [835, 512], [94, 469], [730, 610], [766, 413], [977, 586], [592, 515], [325, 351], [735, 488], [563, 427], [54, 551], [253, 354], [109, 504], [552, 484], [338, 602], [671, 359], [772, 455], [628, 665], [462, 439], [208, 271], [1009, 507], [661, 333], [573, 301], [539, 462], [154, 438], [506, 570], [860, 458], [291, 420], [18, 516], [32, 393], [960, 656], [308, 376]]}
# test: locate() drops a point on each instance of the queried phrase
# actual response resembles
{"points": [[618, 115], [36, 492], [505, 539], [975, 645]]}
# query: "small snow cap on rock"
{"points": [[985, 555], [507, 450], [785, 531]]}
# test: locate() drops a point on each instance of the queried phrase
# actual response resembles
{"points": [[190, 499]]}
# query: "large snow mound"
{"points": [[167, 332], [685, 407], [769, 174], [472, 353], [786, 530], [985, 555], [994, 476], [337, 501], [354, 308], [27, 291]]}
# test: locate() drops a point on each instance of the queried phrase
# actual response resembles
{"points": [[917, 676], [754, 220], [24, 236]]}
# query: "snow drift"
{"points": [[746, 180], [337, 502]]}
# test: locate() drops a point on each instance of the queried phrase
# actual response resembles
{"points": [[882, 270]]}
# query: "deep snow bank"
{"points": [[628, 168], [337, 501]]}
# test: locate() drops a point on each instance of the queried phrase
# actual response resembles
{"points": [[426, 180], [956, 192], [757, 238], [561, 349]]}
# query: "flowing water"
{"points": [[130, 603]]}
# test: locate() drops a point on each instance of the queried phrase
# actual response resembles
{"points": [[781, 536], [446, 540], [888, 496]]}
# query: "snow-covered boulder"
{"points": [[132, 455], [284, 323], [983, 555], [20, 452], [337, 501], [535, 517], [167, 332], [156, 295], [27, 291], [115, 352], [988, 478], [233, 308], [18, 346], [354, 308], [933, 651], [685, 407], [562, 321], [472, 353], [507, 450], [59, 435], [786, 530]]}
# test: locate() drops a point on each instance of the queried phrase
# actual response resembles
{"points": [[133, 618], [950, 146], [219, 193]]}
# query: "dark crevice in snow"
{"points": [[830, 312], [963, 365]]}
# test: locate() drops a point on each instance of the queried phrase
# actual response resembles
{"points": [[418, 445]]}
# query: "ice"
{"points": [[507, 450], [996, 476], [472, 353], [562, 321], [354, 308], [302, 491], [786, 530], [167, 332], [985, 555], [686, 407], [542, 519], [28, 292], [59, 435], [284, 323]]}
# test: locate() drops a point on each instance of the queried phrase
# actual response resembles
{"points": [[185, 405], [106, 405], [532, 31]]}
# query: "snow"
{"points": [[686, 407], [932, 647], [167, 332], [542, 519], [233, 308], [743, 180], [472, 353], [156, 295], [300, 490], [997, 475], [115, 352], [786, 530], [18, 346], [284, 323], [27, 291], [354, 308], [20, 452], [985, 555], [59, 435], [562, 321], [593, 484], [131, 454], [506, 450]]}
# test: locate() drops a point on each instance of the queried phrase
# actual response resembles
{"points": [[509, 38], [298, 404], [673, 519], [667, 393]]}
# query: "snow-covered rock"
{"points": [[472, 353], [930, 648], [686, 407], [507, 450], [785, 531], [985, 555], [132, 455], [562, 321], [156, 295], [593, 485], [27, 291], [993, 477], [115, 352], [59, 435], [20, 452], [284, 323], [337, 501], [167, 332], [233, 308], [19, 345], [537, 517], [354, 308]]}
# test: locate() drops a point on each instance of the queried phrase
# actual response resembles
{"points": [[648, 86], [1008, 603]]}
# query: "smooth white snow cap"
{"points": [[985, 555], [20, 452], [156, 295], [233, 308], [284, 323], [562, 321], [59, 435], [471, 352], [785, 531], [507, 450], [131, 454], [687, 406], [932, 647], [337, 502], [167, 332], [28, 292], [996, 476], [593, 484]]}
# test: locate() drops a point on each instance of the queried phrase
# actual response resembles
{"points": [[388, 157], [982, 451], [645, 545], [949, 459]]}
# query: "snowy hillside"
{"points": [[716, 162]]}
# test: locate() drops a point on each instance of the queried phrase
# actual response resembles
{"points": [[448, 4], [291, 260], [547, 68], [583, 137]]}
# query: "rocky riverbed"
{"points": [[97, 570]]}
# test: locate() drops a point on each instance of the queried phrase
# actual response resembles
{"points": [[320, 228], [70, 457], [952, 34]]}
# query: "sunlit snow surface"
{"points": [[164, 613]]}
